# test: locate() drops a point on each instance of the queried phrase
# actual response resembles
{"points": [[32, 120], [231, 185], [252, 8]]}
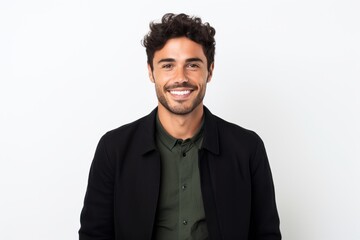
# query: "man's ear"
{"points": [[150, 72], [211, 69]]}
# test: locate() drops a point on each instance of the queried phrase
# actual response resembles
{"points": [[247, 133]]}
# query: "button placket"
{"points": [[185, 174]]}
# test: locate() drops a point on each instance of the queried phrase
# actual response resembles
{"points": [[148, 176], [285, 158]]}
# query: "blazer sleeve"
{"points": [[97, 215], [264, 223]]}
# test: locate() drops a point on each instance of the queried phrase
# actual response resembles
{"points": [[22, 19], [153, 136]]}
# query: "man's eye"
{"points": [[167, 66], [193, 65]]}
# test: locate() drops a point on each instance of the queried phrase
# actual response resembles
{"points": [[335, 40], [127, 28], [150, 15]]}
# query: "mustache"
{"points": [[180, 85]]}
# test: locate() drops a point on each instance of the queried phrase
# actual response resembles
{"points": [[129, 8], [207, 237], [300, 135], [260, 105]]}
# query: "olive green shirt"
{"points": [[180, 213]]}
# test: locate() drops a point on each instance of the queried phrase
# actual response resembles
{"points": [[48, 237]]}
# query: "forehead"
{"points": [[179, 49]]}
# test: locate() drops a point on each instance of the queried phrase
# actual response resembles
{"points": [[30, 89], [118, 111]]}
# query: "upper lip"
{"points": [[180, 89]]}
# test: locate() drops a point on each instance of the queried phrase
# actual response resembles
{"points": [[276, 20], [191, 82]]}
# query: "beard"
{"points": [[181, 107]]}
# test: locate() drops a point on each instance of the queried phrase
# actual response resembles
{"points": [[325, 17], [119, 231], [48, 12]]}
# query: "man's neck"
{"points": [[181, 126]]}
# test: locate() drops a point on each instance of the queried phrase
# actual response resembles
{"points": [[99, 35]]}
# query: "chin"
{"points": [[183, 110]]}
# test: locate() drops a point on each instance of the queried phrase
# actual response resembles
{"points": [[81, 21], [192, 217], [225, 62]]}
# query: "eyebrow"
{"points": [[173, 60]]}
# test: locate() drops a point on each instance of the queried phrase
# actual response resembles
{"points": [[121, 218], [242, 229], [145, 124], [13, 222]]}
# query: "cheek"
{"points": [[159, 90], [200, 75], [163, 76]]}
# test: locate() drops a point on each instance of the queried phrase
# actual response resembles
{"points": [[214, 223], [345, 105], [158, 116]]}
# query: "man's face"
{"points": [[180, 75]]}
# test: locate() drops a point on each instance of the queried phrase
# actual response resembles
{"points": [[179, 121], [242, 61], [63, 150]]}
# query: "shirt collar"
{"points": [[170, 142], [147, 132]]}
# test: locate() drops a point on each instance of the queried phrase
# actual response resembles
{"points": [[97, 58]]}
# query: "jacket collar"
{"points": [[211, 135]]}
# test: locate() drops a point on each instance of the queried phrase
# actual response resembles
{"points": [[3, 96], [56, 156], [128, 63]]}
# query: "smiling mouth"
{"points": [[180, 92]]}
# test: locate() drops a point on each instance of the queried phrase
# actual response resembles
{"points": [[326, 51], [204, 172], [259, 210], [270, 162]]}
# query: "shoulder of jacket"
{"points": [[123, 132], [227, 128]]}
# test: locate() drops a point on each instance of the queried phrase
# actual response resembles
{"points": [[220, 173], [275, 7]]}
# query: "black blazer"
{"points": [[124, 182]]}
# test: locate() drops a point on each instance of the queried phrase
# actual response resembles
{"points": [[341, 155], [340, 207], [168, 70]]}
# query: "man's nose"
{"points": [[181, 75]]}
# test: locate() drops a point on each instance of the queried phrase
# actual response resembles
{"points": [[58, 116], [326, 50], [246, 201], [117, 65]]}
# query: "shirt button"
{"points": [[183, 187], [184, 154], [185, 222]]}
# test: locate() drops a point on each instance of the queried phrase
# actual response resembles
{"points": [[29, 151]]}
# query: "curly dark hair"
{"points": [[180, 25]]}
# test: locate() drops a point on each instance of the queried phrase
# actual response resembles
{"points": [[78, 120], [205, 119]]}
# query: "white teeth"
{"points": [[180, 92]]}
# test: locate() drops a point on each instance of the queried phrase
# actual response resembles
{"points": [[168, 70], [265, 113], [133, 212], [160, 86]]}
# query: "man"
{"points": [[180, 172]]}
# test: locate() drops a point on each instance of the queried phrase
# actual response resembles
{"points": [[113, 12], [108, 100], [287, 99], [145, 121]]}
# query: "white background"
{"points": [[72, 70]]}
